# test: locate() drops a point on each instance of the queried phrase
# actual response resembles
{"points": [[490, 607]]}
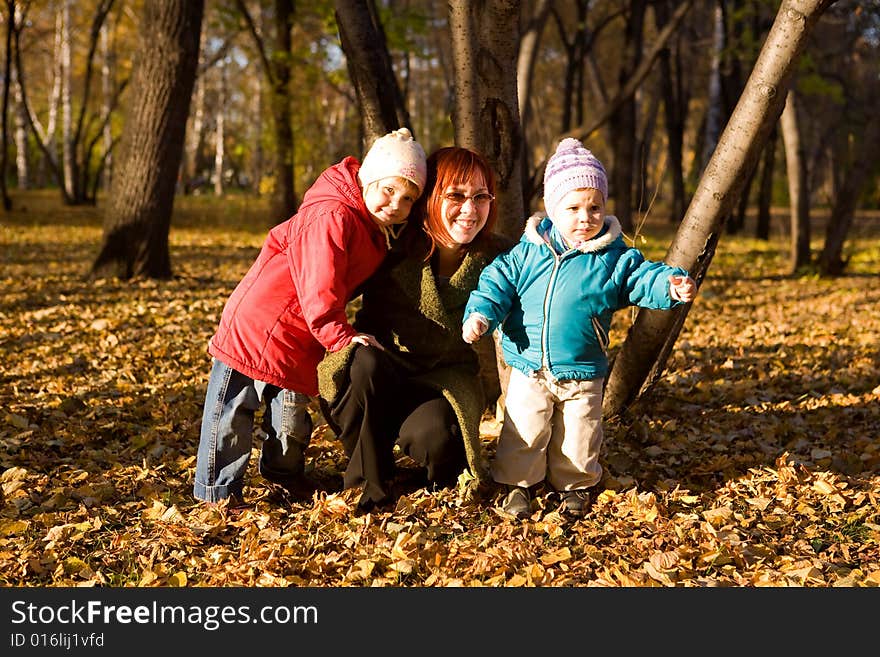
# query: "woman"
{"points": [[421, 388]]}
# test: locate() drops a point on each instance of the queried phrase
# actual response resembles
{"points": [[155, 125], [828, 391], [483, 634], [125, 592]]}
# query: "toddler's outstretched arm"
{"points": [[474, 327], [682, 288]]}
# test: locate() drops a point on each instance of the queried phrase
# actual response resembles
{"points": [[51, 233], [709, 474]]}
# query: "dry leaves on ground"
{"points": [[753, 462]]}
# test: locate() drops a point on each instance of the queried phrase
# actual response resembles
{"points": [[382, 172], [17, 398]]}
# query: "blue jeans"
{"points": [[227, 433]]}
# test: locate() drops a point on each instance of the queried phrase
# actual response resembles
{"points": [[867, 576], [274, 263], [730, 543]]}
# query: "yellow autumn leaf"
{"points": [[760, 503], [177, 579], [562, 554], [824, 487], [155, 511], [664, 560], [13, 527], [718, 517], [147, 578], [399, 551], [535, 572]]}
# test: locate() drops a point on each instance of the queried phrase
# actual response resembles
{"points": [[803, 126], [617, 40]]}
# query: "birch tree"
{"points": [[641, 359]]}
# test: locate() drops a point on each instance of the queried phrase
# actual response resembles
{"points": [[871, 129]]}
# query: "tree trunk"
{"points": [[765, 191], [138, 216], [219, 130], [528, 55], [285, 197], [866, 144], [108, 71], [649, 341], [486, 116], [22, 160], [370, 70], [68, 163], [623, 121], [525, 68], [9, 19], [675, 105], [195, 140], [798, 197], [714, 108], [276, 68], [486, 119]]}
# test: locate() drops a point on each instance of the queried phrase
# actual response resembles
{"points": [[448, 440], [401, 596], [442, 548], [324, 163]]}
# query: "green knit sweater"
{"points": [[419, 323]]}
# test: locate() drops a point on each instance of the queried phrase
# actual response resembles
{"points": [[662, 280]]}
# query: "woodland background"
{"points": [[750, 458]]}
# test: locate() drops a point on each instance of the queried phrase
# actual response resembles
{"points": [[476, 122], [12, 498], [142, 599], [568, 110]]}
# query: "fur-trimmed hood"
{"points": [[537, 231]]}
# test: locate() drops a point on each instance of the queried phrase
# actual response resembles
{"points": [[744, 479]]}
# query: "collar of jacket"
{"points": [[538, 228]]}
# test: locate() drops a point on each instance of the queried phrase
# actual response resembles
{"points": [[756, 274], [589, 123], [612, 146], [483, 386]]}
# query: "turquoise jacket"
{"points": [[555, 306]]}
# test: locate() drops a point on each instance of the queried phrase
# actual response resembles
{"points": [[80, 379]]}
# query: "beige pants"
{"points": [[551, 429]]}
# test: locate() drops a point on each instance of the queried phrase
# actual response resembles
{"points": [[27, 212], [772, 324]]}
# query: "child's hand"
{"points": [[367, 340], [682, 288], [474, 327]]}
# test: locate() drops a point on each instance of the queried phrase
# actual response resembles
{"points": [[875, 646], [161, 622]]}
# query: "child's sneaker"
{"points": [[576, 502], [517, 503]]}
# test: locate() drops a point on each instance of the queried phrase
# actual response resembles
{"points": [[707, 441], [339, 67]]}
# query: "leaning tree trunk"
{"points": [[370, 70], [138, 215], [799, 200], [643, 354]]}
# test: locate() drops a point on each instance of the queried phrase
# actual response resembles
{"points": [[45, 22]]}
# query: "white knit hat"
{"points": [[572, 167], [395, 154]]}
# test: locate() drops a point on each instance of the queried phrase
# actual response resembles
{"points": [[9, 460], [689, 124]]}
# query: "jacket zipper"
{"points": [[545, 333]]}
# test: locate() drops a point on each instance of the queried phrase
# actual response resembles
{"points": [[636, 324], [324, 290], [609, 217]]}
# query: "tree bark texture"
{"points": [[649, 341], [370, 70], [485, 45], [4, 138], [798, 198], [285, 201], [486, 119], [865, 146], [765, 191], [138, 216]]}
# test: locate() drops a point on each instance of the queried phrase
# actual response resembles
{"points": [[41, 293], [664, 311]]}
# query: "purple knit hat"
{"points": [[572, 167]]}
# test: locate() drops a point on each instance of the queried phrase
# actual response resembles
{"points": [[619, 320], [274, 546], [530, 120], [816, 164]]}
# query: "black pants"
{"points": [[383, 406]]}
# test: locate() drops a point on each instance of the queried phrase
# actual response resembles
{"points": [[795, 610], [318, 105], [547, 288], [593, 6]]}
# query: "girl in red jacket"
{"points": [[289, 310]]}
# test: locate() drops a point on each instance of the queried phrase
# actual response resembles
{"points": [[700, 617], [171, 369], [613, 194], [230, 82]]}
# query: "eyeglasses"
{"points": [[458, 199]]}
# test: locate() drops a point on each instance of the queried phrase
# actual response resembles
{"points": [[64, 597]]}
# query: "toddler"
{"points": [[553, 296]]}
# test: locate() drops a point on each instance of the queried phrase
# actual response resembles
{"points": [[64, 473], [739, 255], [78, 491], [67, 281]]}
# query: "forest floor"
{"points": [[754, 461]]}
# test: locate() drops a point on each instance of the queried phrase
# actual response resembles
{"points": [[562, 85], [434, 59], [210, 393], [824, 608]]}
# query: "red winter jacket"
{"points": [[290, 306]]}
